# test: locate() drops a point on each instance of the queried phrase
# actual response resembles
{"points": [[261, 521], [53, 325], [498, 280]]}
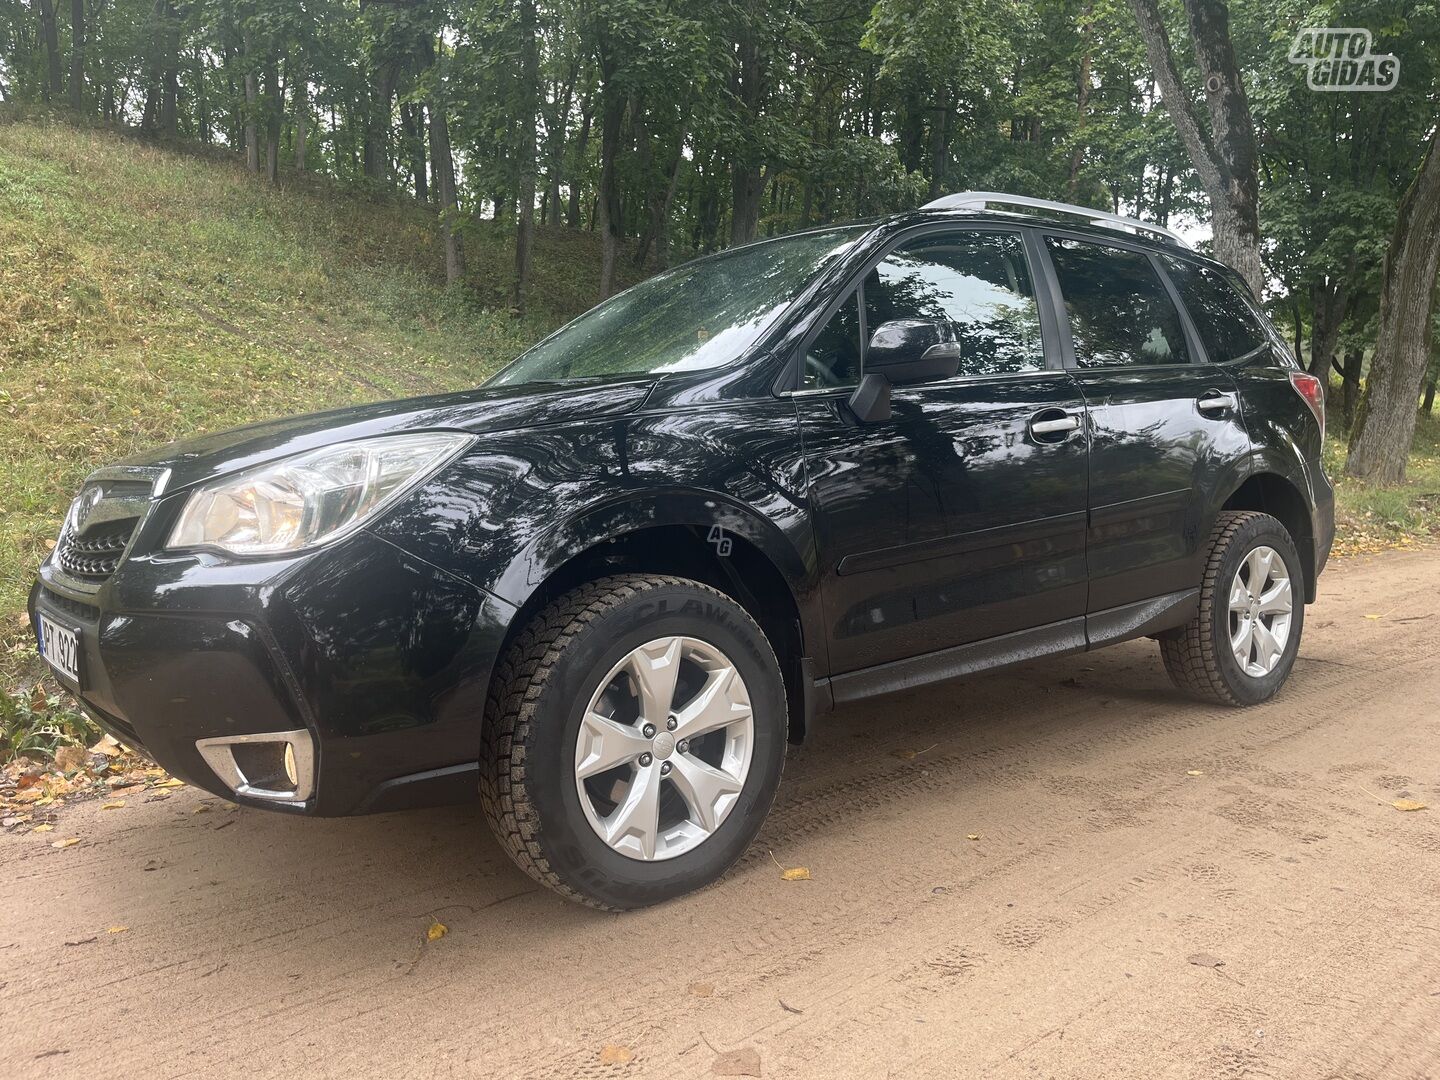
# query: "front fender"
{"points": [[520, 505]]}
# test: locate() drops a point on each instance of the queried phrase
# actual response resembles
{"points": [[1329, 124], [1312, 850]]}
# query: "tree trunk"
{"points": [[202, 101], [377, 125], [555, 149], [1224, 156], [747, 184], [167, 41], [442, 165], [529, 78], [1082, 101], [274, 110], [1350, 383], [582, 143], [77, 54], [655, 231], [1328, 301], [302, 120], [252, 108], [50, 37], [1428, 405], [940, 144], [1380, 440], [413, 126], [612, 118]]}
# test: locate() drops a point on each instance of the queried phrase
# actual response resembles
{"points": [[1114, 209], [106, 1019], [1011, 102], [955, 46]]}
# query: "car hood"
{"points": [[503, 408]]}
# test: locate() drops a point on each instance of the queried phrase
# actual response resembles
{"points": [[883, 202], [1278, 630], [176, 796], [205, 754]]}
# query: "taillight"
{"points": [[1313, 391]]}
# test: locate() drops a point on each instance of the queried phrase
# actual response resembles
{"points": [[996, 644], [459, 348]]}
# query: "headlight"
{"points": [[312, 498]]}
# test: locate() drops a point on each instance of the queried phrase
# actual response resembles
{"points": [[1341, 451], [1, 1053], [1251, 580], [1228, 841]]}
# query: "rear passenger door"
{"points": [[1165, 422]]}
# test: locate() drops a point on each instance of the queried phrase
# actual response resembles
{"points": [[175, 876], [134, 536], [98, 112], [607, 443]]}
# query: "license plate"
{"points": [[61, 649]]}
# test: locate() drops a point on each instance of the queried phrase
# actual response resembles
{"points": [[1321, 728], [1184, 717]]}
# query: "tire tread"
{"points": [[512, 704], [1190, 655]]}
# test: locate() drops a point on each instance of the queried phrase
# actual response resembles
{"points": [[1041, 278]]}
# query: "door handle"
{"points": [[1216, 401], [1062, 424]]}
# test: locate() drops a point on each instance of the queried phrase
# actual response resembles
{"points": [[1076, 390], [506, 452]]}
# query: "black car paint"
{"points": [[911, 549]]}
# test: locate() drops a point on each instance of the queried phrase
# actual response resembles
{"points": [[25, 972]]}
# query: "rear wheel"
{"points": [[1242, 643], [634, 739]]}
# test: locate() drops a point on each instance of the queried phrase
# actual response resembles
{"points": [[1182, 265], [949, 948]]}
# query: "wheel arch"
{"points": [[706, 538], [1272, 493]]}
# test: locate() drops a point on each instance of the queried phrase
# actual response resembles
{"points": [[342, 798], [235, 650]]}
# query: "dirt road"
{"points": [[1058, 943]]}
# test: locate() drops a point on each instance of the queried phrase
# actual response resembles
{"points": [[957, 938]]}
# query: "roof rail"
{"points": [[978, 200]]}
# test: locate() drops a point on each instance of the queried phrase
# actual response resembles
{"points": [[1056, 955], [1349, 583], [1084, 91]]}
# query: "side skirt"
{"points": [[1072, 635]]}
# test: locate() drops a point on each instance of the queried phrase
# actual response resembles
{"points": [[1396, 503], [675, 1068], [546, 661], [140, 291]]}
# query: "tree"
{"points": [[1224, 156], [1380, 442], [525, 150]]}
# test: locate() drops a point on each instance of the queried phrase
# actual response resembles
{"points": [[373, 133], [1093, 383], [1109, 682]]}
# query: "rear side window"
{"points": [[1120, 311], [1225, 321]]}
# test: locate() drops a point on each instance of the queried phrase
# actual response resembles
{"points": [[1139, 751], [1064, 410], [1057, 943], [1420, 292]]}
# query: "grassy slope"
{"points": [[147, 294]]}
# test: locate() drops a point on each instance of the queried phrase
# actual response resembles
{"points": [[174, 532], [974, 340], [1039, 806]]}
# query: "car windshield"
{"points": [[697, 316]]}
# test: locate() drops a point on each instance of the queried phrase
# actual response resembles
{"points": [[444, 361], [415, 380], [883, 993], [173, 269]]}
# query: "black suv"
{"points": [[606, 588]]}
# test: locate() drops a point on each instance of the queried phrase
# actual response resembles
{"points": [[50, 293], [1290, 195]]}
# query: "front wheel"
{"points": [[634, 738], [1241, 645]]}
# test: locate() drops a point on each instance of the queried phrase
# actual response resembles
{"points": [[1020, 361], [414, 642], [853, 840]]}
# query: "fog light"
{"points": [[290, 772]]}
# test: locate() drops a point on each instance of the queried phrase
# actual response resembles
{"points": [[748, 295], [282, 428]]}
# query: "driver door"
{"points": [[962, 516]]}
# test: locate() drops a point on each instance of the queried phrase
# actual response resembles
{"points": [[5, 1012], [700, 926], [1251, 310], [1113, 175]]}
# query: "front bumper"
{"points": [[382, 658]]}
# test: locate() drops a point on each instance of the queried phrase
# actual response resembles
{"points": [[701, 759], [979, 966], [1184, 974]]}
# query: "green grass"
{"points": [[1375, 518], [148, 293]]}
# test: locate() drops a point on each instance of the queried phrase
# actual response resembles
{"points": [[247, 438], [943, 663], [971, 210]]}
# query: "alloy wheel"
{"points": [[1261, 605], [664, 748]]}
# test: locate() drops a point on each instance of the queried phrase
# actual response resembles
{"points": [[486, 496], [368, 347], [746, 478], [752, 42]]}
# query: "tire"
{"points": [[1201, 656], [562, 670]]}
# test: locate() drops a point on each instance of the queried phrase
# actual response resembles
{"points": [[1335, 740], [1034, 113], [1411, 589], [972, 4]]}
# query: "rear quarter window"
{"points": [[1226, 323]]}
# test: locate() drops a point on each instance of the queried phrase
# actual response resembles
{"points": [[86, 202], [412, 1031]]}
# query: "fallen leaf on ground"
{"points": [[610, 1054], [701, 989], [1407, 804], [117, 805], [106, 745], [1204, 959], [172, 782], [69, 841], [1193, 772], [742, 1062], [116, 929], [795, 873], [790, 1008], [69, 758], [203, 808], [972, 836], [81, 941], [43, 828], [436, 932]]}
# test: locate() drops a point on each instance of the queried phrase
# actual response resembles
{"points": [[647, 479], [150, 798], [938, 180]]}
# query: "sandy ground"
{"points": [[1058, 944]]}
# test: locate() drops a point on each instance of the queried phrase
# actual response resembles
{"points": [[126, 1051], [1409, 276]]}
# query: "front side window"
{"points": [[1225, 321], [701, 315], [978, 282], [1120, 312]]}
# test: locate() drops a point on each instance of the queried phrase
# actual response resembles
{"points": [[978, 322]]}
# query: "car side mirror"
{"points": [[903, 352]]}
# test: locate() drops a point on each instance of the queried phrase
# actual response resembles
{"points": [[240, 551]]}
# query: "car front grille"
{"points": [[100, 525], [95, 556]]}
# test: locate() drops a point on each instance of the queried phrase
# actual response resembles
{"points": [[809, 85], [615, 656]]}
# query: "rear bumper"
{"points": [[382, 658]]}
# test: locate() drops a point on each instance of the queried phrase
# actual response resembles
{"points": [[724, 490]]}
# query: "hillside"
{"points": [[147, 294]]}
